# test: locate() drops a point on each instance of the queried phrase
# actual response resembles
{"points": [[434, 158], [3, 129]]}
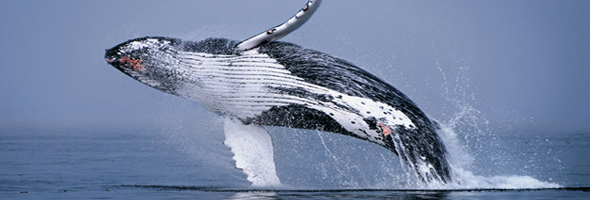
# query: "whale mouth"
{"points": [[112, 56], [124, 62], [127, 62]]}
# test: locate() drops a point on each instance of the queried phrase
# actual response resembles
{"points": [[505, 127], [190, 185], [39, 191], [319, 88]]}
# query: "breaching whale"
{"points": [[262, 82]]}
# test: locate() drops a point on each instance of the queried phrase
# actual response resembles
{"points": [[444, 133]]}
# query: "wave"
{"points": [[254, 189]]}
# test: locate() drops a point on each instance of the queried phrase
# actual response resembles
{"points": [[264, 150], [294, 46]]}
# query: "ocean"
{"points": [[184, 161], [63, 133]]}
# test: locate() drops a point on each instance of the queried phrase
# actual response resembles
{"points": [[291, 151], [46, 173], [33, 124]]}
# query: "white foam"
{"points": [[467, 180], [460, 160]]}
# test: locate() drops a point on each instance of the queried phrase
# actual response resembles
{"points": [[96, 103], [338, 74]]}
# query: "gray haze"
{"points": [[521, 63]]}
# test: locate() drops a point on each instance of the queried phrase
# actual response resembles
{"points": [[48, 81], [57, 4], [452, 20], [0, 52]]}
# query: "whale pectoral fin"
{"points": [[281, 30], [253, 151]]}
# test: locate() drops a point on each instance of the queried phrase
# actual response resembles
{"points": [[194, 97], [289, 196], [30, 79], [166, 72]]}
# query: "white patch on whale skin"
{"points": [[354, 122], [236, 85], [150, 43]]}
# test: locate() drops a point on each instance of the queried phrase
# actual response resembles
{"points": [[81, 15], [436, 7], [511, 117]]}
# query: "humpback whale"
{"points": [[261, 82]]}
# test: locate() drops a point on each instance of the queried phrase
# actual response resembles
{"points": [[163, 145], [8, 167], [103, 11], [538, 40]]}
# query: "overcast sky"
{"points": [[523, 62]]}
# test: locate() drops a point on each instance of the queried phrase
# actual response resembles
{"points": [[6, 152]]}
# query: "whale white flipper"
{"points": [[253, 151], [283, 29]]}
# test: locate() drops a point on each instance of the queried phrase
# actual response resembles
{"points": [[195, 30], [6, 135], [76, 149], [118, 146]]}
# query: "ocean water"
{"points": [[177, 161]]}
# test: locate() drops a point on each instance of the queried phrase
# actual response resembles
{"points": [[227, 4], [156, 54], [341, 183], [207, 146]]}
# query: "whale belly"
{"points": [[255, 88]]}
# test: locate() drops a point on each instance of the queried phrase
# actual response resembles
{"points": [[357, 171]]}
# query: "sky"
{"points": [[522, 63]]}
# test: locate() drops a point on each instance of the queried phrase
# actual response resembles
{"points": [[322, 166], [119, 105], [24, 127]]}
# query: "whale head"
{"points": [[169, 64], [150, 60]]}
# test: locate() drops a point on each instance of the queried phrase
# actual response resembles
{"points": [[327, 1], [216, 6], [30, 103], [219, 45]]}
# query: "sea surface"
{"points": [[191, 162]]}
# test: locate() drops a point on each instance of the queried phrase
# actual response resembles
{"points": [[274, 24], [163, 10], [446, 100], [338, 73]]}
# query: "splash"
{"points": [[461, 160], [466, 129]]}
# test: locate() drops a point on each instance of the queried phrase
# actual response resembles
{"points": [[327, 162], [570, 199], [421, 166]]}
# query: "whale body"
{"points": [[272, 83]]}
